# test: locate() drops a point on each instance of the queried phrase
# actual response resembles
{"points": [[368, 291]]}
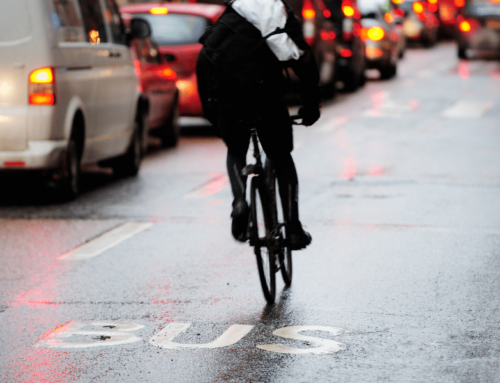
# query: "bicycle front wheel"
{"points": [[260, 237]]}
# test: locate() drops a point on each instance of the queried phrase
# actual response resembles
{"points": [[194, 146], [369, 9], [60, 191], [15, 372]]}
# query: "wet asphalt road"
{"points": [[400, 186]]}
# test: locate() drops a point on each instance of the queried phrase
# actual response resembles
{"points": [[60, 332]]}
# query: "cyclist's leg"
{"points": [[276, 135], [237, 139]]}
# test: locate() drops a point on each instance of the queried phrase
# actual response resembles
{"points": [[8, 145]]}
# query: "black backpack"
{"points": [[238, 52]]}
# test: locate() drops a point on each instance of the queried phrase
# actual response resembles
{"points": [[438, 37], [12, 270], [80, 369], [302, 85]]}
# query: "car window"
{"points": [[115, 22], [146, 51], [176, 29], [93, 20], [67, 21]]}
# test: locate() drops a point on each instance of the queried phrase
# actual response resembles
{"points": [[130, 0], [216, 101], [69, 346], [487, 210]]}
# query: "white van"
{"points": [[68, 91]]}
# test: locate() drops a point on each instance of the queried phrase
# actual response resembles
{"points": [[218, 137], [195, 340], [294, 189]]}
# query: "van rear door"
{"points": [[15, 41]]}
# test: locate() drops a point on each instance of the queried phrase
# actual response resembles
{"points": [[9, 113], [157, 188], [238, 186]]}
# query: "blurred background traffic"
{"points": [[88, 81]]}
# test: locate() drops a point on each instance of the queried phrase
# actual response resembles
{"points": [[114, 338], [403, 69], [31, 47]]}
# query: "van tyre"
{"points": [[170, 131], [70, 180], [129, 164]]}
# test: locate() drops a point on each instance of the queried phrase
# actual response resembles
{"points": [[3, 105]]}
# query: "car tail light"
{"points": [[398, 1], [459, 3], [418, 7], [168, 73], [375, 33], [309, 27], [14, 163], [422, 16], [364, 34], [465, 26], [388, 17], [373, 52], [42, 87], [400, 12], [348, 10], [346, 53], [158, 11], [327, 13]]}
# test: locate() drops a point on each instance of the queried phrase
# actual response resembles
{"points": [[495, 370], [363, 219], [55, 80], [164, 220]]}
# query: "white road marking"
{"points": [[112, 333], [467, 109], [326, 346], [105, 241], [166, 336]]}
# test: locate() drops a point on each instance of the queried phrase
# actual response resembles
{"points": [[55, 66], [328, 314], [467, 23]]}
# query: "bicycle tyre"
{"points": [[262, 248], [285, 253]]}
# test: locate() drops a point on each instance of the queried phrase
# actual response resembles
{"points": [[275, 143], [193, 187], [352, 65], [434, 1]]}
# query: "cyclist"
{"points": [[241, 81]]}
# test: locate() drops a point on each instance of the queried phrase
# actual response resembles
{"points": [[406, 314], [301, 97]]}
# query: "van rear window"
{"points": [[14, 21]]}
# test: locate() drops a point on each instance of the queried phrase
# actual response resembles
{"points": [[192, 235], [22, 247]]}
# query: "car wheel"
{"points": [[462, 53], [388, 71], [129, 163], [170, 131], [69, 186], [329, 90]]}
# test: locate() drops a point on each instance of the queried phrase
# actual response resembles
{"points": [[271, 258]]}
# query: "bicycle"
{"points": [[266, 233]]}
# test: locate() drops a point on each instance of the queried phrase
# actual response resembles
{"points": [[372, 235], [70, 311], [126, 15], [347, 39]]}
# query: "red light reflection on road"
{"points": [[215, 185], [375, 171], [349, 168], [463, 70]]}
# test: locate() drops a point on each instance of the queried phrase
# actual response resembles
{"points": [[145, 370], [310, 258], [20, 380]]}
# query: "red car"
{"points": [[176, 29], [158, 83]]}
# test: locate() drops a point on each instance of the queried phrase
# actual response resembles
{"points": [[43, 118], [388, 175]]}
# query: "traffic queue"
{"points": [[85, 81]]}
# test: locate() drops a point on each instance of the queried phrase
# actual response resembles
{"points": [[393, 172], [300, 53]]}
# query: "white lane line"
{"points": [[105, 241], [472, 109]]}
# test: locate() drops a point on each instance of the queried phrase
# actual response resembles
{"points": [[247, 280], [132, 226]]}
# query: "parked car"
{"points": [[420, 23], [158, 83], [350, 52], [381, 40], [478, 27], [68, 91], [176, 29]]}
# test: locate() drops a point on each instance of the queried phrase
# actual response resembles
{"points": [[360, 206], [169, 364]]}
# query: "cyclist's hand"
{"points": [[310, 114]]}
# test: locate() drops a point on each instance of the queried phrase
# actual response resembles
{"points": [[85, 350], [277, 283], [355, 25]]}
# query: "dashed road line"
{"points": [[105, 241]]}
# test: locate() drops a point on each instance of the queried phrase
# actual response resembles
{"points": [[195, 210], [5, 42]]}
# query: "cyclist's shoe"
{"points": [[239, 225], [297, 237]]}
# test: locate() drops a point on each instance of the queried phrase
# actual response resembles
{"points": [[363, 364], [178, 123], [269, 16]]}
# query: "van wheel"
{"points": [[130, 162], [170, 131], [70, 181]]}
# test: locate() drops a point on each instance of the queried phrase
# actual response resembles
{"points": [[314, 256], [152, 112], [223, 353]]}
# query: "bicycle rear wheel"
{"points": [[285, 254], [261, 227]]}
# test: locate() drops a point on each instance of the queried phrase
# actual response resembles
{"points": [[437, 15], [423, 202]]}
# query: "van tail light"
{"points": [[418, 7], [309, 27], [375, 33], [42, 87]]}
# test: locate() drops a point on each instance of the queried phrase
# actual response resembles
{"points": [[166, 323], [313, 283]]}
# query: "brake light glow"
{"points": [[373, 52], [398, 1], [388, 17], [169, 74], [400, 12], [14, 163], [327, 13], [348, 10], [42, 87], [465, 26], [158, 11], [308, 13], [418, 7], [346, 52], [375, 33], [459, 3]]}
